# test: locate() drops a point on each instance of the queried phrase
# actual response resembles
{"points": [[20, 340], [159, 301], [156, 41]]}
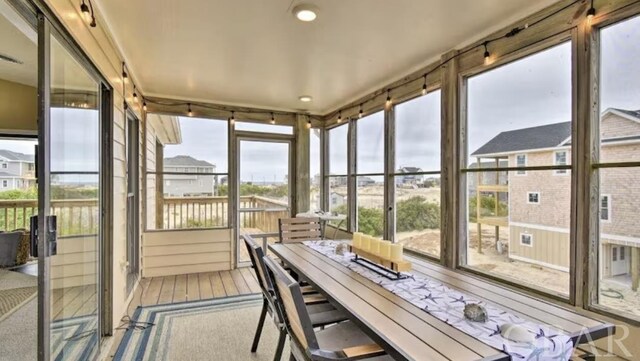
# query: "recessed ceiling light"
{"points": [[305, 12], [305, 98]]}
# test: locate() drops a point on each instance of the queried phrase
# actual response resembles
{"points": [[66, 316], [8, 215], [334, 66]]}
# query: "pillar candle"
{"points": [[396, 252], [357, 240], [385, 250], [374, 245], [364, 243]]}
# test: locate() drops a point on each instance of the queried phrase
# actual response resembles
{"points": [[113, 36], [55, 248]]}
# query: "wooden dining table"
{"points": [[407, 332]]}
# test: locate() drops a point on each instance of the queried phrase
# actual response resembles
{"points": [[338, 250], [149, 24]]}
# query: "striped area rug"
{"points": [[216, 329]]}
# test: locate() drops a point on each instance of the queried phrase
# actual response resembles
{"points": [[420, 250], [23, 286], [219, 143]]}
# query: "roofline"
{"points": [[622, 114]]}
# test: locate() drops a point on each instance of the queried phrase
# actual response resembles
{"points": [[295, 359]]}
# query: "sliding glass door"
{"points": [[70, 208]]}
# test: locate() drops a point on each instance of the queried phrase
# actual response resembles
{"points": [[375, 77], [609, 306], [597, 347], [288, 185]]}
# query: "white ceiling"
{"points": [[254, 52]]}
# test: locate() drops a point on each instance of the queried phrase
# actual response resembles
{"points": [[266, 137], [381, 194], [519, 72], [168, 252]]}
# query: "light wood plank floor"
{"points": [[194, 287]]}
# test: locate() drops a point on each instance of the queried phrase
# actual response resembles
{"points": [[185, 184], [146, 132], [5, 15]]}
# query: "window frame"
{"points": [[608, 208], [569, 36], [520, 171], [530, 244], [537, 194], [555, 161]]}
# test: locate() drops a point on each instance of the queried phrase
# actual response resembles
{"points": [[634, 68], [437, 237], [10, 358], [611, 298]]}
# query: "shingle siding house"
{"points": [[539, 202], [17, 170], [196, 183], [408, 179]]}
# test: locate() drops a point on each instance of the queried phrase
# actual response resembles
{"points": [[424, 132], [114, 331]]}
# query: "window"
{"points": [[338, 173], [526, 239], [521, 161], [560, 158], [417, 174], [605, 208], [370, 174], [5, 165], [5, 184], [186, 149], [506, 129], [618, 174]]}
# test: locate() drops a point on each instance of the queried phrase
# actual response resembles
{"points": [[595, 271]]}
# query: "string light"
{"points": [[388, 97], [487, 55], [232, 120], [309, 123], [273, 119], [190, 113], [124, 72], [135, 95], [340, 116], [360, 113], [144, 105], [424, 86], [87, 13], [591, 13]]}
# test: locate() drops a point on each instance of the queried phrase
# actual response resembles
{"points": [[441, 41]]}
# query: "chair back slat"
{"points": [[293, 230], [256, 255], [289, 295]]}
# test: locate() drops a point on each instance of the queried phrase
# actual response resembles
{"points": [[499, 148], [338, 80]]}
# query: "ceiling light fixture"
{"points": [[305, 12], [591, 13], [305, 98]]}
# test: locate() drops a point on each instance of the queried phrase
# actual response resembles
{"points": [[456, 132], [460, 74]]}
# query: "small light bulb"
{"points": [[190, 113], [86, 15], [144, 105], [135, 96], [273, 119], [232, 120], [388, 98], [340, 117], [360, 112], [424, 86], [487, 55], [309, 124]]}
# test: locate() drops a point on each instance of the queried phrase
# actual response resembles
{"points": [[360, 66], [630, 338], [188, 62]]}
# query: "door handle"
{"points": [[52, 235]]}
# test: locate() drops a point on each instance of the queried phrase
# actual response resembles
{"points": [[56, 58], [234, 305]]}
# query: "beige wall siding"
{"points": [[623, 187], [549, 247], [555, 193], [614, 126], [189, 251]]}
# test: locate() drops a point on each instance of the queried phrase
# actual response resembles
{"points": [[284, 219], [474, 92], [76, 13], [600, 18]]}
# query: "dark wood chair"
{"points": [[343, 341], [294, 230], [321, 312]]}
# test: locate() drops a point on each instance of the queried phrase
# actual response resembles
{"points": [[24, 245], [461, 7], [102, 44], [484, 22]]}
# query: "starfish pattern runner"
{"points": [[448, 304]]}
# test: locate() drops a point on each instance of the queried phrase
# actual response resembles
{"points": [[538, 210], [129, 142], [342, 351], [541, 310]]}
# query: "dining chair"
{"points": [[293, 230], [321, 312], [342, 341]]}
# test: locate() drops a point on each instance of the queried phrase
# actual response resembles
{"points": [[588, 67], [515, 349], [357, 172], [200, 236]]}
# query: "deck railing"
{"points": [[75, 216], [198, 212], [81, 216]]}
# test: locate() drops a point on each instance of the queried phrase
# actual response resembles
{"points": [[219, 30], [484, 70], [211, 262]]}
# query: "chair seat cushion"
{"points": [[344, 335]]}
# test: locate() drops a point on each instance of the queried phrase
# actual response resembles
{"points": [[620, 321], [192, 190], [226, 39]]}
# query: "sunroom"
{"points": [[319, 180]]}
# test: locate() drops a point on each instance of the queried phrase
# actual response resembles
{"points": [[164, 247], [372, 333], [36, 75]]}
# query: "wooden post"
{"points": [[635, 268], [160, 186], [302, 165]]}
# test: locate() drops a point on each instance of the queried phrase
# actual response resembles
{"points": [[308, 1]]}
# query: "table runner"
{"points": [[447, 305]]}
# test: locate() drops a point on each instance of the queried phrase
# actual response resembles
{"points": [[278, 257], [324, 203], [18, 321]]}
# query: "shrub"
{"points": [[416, 213]]}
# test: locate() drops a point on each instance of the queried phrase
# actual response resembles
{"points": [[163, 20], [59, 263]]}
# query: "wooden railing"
{"points": [[75, 216], [200, 212]]}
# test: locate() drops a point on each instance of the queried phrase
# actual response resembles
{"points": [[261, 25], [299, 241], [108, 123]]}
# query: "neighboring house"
{"points": [[340, 181], [17, 170], [409, 180], [337, 199], [487, 177], [193, 184], [365, 181], [540, 201]]}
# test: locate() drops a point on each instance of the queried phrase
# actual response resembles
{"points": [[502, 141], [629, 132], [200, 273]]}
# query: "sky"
{"points": [[532, 91]]}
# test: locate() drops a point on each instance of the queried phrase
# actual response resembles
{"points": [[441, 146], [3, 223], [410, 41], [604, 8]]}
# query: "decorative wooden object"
{"points": [[382, 266]]}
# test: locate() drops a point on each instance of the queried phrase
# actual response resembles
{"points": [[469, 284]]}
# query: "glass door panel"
{"points": [[74, 198], [264, 190]]}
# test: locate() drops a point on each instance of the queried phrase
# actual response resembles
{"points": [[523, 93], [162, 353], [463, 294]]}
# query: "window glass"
{"points": [[338, 196], [338, 150], [371, 205], [519, 115], [417, 195], [187, 180], [370, 150], [619, 241], [417, 124]]}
